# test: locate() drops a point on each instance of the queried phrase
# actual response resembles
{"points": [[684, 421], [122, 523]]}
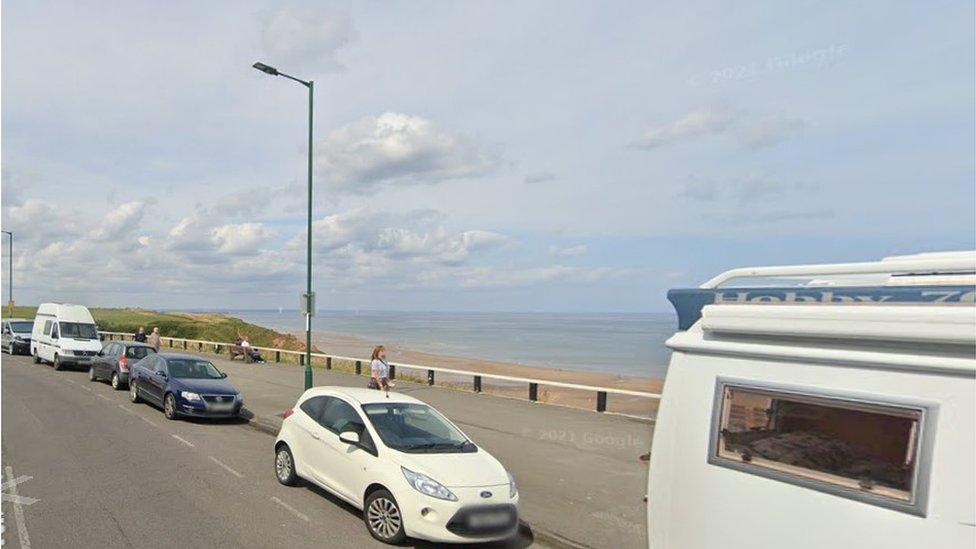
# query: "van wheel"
{"points": [[57, 363], [383, 518], [133, 392], [37, 359], [169, 406]]}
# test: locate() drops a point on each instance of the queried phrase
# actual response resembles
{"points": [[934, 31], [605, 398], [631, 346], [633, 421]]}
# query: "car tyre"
{"points": [[116, 383], [91, 374], [169, 406], [134, 392], [57, 363], [285, 466], [383, 518]]}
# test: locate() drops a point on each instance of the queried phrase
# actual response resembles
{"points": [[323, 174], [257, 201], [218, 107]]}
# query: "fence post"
{"points": [[477, 384], [392, 371], [184, 344], [328, 363], [430, 377], [301, 359], [359, 367], [533, 392], [170, 343], [277, 356], [601, 401]]}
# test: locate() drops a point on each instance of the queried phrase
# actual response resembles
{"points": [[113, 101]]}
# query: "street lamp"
{"points": [[10, 276], [308, 300]]}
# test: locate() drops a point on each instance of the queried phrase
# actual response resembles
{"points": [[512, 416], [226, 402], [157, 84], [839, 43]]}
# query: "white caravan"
{"points": [[821, 406], [64, 335]]}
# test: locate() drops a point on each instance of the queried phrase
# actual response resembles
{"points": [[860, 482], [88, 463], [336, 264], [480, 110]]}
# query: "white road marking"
{"points": [[183, 440], [225, 466], [296, 512], [18, 510], [153, 423], [103, 397], [126, 409], [68, 380], [86, 388]]}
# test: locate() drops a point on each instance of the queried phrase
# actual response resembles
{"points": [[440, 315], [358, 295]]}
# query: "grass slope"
{"points": [[209, 327]]}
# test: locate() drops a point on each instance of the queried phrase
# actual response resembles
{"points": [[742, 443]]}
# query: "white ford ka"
{"points": [[411, 471]]}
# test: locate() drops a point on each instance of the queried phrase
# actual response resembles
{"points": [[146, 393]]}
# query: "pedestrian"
{"points": [[155, 340], [380, 370], [250, 353], [140, 335]]}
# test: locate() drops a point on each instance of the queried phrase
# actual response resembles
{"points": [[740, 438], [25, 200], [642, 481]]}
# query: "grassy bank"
{"points": [[205, 326]]}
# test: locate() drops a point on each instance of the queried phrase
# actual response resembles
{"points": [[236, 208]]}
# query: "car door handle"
{"points": [[315, 436]]}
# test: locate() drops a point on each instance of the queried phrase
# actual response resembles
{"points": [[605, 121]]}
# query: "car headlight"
{"points": [[187, 395], [17, 338], [512, 489], [426, 485]]}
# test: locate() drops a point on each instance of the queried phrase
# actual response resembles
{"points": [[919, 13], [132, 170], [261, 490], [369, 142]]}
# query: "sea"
{"points": [[621, 343]]}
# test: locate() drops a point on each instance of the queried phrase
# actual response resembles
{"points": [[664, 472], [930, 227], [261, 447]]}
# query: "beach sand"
{"points": [[353, 346]]}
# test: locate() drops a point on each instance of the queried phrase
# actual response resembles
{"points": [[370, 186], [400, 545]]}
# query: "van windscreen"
{"points": [[77, 330]]}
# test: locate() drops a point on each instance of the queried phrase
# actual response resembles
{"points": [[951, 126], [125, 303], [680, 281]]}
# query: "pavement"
{"points": [[111, 473]]}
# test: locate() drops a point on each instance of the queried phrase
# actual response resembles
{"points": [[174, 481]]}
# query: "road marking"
{"points": [[225, 466], [11, 485], [86, 388], [68, 380], [126, 409], [149, 421], [297, 513], [103, 397], [183, 440]]}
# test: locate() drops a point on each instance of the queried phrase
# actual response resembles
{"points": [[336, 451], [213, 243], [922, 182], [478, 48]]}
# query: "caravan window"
{"points": [[47, 327], [844, 446], [77, 330]]}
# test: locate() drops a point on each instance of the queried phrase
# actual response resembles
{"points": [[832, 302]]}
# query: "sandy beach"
{"points": [[352, 346]]}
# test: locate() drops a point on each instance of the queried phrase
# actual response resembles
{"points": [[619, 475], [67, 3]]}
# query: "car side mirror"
{"points": [[349, 437]]}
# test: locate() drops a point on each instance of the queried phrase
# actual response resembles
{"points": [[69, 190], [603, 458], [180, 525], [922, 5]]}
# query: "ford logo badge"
{"points": [[486, 494]]}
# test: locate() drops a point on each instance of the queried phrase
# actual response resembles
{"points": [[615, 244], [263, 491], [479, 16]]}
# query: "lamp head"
{"points": [[265, 68]]}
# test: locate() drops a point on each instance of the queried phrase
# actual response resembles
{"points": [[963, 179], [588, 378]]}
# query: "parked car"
{"points": [[16, 337], [64, 335], [411, 471], [184, 385], [113, 362]]}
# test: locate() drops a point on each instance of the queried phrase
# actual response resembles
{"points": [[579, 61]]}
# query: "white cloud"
{"points": [[306, 36], [397, 148], [568, 251], [539, 177], [241, 238], [747, 129], [487, 277], [120, 222]]}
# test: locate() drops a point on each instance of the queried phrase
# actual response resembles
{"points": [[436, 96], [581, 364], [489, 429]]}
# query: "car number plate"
{"points": [[488, 519]]}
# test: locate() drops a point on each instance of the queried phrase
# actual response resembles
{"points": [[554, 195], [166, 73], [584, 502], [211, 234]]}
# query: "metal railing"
{"points": [[430, 371]]}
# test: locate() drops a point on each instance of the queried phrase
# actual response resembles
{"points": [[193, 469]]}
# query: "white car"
{"points": [[411, 471]]}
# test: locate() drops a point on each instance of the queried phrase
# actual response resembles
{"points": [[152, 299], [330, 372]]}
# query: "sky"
{"points": [[475, 156]]}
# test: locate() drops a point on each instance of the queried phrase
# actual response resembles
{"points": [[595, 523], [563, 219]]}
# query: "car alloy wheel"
{"points": [[383, 518], [285, 467], [169, 406], [91, 374], [133, 391], [115, 380]]}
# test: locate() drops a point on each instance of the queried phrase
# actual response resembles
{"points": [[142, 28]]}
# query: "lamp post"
{"points": [[10, 274], [308, 300]]}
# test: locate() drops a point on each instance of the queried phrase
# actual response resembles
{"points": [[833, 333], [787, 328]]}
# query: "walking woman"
{"points": [[380, 376]]}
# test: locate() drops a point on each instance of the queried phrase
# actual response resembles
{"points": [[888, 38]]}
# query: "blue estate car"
{"points": [[184, 385]]}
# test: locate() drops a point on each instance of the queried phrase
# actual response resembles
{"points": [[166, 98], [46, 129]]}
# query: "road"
{"points": [[91, 469]]}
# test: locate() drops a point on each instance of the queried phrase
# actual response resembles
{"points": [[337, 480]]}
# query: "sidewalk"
{"points": [[578, 471]]}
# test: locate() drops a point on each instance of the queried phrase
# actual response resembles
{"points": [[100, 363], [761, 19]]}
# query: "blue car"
{"points": [[184, 385]]}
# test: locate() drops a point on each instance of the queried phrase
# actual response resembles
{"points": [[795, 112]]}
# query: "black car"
{"points": [[17, 335], [184, 385], [114, 360]]}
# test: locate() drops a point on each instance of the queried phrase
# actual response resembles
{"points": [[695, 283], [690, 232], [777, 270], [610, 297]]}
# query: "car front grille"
{"points": [[84, 353], [219, 399]]}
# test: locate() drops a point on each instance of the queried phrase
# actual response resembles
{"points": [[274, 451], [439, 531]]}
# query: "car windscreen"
{"points": [[21, 327], [193, 369], [77, 330], [138, 352], [415, 428]]}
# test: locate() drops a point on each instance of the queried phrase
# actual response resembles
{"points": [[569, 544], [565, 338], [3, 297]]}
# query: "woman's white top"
{"points": [[380, 368]]}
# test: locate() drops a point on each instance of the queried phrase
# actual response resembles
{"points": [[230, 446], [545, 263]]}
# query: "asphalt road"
{"points": [[84, 467]]}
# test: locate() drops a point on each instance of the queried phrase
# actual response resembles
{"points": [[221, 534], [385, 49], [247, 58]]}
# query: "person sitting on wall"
{"points": [[250, 353], [140, 335]]}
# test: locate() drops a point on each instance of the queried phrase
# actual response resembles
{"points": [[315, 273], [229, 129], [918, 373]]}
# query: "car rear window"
{"points": [[138, 352], [21, 327]]}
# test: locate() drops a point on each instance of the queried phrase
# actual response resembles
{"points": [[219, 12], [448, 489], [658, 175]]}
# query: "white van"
{"points": [[821, 406], [64, 335]]}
